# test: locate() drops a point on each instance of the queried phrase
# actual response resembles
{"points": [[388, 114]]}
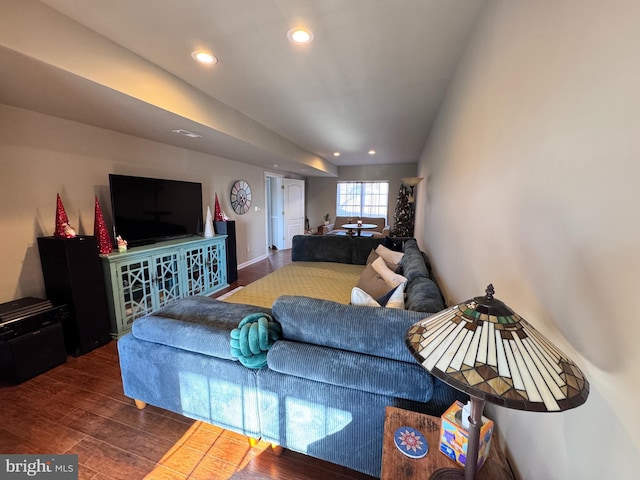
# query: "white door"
{"points": [[293, 209], [275, 212]]}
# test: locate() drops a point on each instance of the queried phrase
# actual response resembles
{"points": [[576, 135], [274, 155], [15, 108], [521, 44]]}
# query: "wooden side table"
{"points": [[396, 465]]}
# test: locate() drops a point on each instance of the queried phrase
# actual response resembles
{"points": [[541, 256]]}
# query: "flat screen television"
{"points": [[148, 210]]}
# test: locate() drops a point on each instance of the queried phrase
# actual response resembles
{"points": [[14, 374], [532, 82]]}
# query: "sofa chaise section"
{"points": [[179, 359]]}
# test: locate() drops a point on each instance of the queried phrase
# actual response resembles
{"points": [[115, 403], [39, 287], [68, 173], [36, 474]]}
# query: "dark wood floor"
{"points": [[275, 260], [79, 407]]}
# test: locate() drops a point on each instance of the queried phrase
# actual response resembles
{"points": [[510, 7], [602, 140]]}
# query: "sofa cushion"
{"points": [[394, 244], [198, 324], [352, 370], [423, 295], [375, 331], [362, 247], [334, 248], [413, 263], [317, 248]]}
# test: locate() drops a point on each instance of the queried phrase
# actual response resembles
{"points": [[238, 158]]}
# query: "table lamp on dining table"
{"points": [[485, 349]]}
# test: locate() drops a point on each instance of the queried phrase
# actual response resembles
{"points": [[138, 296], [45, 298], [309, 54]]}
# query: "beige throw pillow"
{"points": [[372, 283], [388, 275], [373, 256], [360, 297], [389, 255]]}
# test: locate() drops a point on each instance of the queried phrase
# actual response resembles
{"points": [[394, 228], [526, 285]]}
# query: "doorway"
{"points": [[274, 202], [285, 210], [293, 210]]}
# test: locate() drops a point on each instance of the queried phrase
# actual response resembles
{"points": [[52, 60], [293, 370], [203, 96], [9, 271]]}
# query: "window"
{"points": [[362, 199]]}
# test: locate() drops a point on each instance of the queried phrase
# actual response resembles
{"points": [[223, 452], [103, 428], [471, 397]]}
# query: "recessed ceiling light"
{"points": [[204, 57], [186, 133], [300, 36], [336, 154], [372, 152]]}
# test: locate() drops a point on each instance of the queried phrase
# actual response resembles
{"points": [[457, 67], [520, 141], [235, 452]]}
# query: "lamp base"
{"points": [[447, 474]]}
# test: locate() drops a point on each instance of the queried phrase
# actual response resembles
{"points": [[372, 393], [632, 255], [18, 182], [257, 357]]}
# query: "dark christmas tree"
{"points": [[403, 216]]}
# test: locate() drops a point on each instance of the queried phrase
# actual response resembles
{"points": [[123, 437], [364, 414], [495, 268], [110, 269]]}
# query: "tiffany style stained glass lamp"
{"points": [[485, 349]]}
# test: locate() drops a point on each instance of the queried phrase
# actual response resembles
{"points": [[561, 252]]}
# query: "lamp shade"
{"points": [[485, 349], [411, 181]]}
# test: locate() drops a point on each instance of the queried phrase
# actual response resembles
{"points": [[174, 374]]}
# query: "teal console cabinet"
{"points": [[143, 279]]}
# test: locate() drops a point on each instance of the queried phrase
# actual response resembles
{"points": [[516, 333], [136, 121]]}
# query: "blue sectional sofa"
{"points": [[327, 380]]}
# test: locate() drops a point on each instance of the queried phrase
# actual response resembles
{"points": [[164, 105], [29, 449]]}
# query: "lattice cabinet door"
{"points": [[146, 278], [167, 278], [135, 281], [216, 265], [195, 265]]}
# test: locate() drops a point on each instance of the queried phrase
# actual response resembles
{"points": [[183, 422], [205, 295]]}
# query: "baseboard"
{"points": [[251, 262]]}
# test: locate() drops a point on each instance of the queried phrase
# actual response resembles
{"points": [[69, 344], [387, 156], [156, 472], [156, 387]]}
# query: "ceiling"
{"points": [[373, 78]]}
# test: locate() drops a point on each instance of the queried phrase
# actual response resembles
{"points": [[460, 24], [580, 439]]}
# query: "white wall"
{"points": [[42, 155], [532, 185]]}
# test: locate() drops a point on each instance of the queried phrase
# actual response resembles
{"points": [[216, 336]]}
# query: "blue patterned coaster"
{"points": [[411, 442]]}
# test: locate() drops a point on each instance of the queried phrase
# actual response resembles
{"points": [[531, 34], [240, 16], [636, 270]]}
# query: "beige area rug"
{"points": [[229, 293], [326, 280]]}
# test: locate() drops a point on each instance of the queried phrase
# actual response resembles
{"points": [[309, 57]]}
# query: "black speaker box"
{"points": [[228, 228], [73, 276], [30, 354]]}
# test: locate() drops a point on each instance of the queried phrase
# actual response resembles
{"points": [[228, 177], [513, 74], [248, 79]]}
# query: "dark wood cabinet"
{"points": [[73, 276]]}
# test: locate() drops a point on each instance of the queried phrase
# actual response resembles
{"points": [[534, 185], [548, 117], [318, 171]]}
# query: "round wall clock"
{"points": [[240, 197]]}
